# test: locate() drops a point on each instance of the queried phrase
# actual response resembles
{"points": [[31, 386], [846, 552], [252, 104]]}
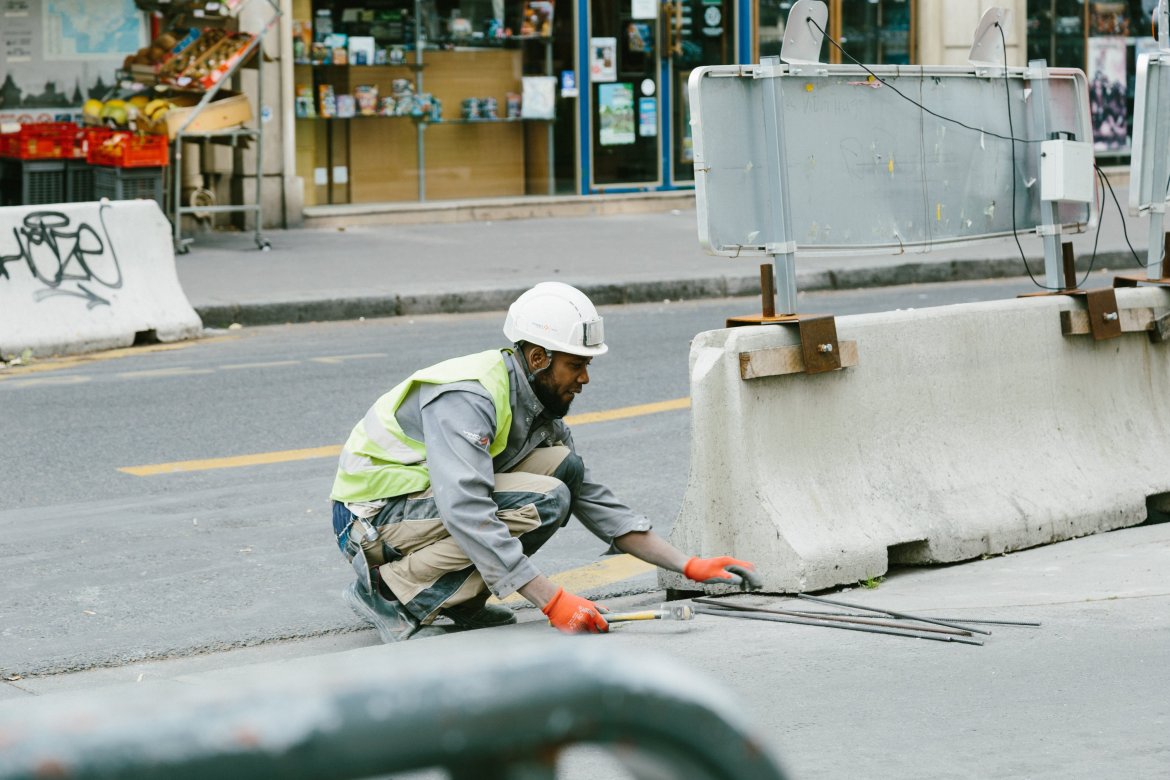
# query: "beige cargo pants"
{"points": [[423, 565]]}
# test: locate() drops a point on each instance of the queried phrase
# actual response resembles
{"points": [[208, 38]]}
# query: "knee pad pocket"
{"points": [[571, 472]]}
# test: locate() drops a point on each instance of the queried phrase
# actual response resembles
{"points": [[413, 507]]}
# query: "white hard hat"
{"points": [[559, 318]]}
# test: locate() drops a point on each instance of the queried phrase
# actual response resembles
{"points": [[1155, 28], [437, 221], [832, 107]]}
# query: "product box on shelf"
{"points": [[229, 109], [204, 60]]}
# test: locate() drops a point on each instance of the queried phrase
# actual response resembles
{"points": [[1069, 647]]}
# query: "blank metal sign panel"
{"points": [[867, 170], [1150, 162]]}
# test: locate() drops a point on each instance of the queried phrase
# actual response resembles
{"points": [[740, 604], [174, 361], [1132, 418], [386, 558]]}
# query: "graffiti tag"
{"points": [[68, 260]]}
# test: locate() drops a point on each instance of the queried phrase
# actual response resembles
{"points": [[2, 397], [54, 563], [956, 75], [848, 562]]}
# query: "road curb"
{"points": [[392, 305]]}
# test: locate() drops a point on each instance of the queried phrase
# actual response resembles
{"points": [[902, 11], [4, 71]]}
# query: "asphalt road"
{"points": [[100, 567]]}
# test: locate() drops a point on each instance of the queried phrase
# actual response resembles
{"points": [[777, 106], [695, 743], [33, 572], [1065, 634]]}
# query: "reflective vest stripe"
{"points": [[394, 448], [380, 461]]}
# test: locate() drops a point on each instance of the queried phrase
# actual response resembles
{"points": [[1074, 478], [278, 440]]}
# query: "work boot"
{"points": [[393, 622], [477, 613]]}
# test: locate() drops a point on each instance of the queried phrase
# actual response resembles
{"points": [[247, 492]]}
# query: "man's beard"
{"points": [[549, 398]]}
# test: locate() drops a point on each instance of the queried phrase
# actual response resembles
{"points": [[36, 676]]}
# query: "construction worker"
{"points": [[460, 473]]}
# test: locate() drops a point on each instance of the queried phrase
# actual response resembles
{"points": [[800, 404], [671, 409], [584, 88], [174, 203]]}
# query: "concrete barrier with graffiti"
{"points": [[80, 277]]}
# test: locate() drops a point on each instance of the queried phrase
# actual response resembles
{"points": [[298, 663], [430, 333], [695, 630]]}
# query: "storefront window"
{"points": [[473, 111], [772, 15], [1105, 39], [873, 31]]}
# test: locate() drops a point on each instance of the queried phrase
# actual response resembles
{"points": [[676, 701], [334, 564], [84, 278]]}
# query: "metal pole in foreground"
{"points": [[891, 613], [826, 624]]}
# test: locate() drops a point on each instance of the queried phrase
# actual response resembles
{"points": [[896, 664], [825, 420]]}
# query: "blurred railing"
{"points": [[502, 710]]}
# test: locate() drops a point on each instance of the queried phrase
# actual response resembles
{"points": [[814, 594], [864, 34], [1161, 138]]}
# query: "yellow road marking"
{"points": [[285, 456], [593, 575], [56, 364], [269, 364], [628, 411], [331, 359], [236, 461], [64, 379], [152, 373]]}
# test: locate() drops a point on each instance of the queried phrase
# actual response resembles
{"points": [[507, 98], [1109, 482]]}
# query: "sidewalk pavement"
{"points": [[381, 271], [1083, 695]]}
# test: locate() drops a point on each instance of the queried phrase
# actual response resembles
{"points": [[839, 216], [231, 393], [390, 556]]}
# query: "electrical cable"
{"points": [[1121, 216], [909, 99], [1007, 93], [1011, 137]]}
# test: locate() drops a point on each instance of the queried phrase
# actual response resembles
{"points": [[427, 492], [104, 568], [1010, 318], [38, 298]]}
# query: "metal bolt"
{"points": [[824, 347], [1110, 316]]}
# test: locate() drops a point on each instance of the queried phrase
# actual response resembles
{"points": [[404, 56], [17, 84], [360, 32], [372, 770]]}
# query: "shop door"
{"points": [[625, 134], [699, 32]]}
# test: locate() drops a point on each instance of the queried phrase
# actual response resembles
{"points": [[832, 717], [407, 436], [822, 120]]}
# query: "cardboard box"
{"points": [[227, 110]]}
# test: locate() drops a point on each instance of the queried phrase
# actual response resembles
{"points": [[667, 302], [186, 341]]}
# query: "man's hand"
{"points": [[574, 615], [723, 570]]}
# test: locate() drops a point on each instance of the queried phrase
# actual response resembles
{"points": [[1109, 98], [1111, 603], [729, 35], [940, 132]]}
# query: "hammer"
{"points": [[665, 612]]}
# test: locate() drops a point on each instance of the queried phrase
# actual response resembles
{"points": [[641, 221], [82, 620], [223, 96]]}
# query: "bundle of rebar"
{"points": [[867, 620]]}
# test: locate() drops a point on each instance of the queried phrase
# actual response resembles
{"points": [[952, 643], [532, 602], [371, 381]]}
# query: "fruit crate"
{"points": [[88, 138], [118, 183], [40, 141], [129, 150], [31, 182], [78, 181]]}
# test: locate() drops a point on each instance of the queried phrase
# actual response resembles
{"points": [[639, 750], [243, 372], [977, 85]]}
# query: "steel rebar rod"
{"points": [[863, 620], [704, 610], [1026, 623], [891, 613]]}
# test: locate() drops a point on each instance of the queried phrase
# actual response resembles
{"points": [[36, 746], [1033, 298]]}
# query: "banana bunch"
{"points": [[137, 110], [156, 109]]}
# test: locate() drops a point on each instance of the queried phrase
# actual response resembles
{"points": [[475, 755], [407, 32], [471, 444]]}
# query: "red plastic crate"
{"points": [[39, 141], [91, 137], [124, 149]]}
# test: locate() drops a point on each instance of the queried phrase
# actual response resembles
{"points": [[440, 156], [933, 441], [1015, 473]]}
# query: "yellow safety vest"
{"points": [[380, 461]]}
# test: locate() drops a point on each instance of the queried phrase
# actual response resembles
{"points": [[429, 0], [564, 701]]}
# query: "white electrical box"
{"points": [[1066, 171]]}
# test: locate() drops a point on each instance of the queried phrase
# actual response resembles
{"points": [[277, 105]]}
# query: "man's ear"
{"points": [[537, 357]]}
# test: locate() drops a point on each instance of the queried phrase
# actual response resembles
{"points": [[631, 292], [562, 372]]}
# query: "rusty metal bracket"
{"points": [[818, 344], [819, 349], [1133, 280], [1104, 319]]}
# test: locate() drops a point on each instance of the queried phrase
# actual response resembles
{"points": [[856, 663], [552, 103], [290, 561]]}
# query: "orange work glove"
{"points": [[574, 615], [723, 570]]}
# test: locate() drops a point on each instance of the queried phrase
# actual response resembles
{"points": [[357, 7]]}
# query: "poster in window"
{"points": [[537, 18], [615, 109], [647, 117], [686, 146], [1108, 18], [603, 59], [56, 54], [1107, 100]]}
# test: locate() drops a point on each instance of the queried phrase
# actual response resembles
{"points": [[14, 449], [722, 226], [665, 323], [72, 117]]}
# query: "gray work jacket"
{"points": [[456, 421]]}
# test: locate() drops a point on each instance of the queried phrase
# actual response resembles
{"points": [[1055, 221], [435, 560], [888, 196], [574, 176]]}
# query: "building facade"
{"points": [[374, 104]]}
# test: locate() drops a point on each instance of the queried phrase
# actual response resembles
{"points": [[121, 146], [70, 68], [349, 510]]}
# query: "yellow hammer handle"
{"points": [[622, 617]]}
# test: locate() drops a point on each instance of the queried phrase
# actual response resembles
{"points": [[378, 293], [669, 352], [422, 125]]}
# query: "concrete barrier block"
{"points": [[80, 277], [963, 431]]}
